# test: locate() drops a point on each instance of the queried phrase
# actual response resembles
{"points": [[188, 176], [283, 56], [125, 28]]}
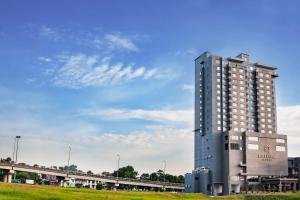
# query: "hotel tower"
{"points": [[236, 139]]}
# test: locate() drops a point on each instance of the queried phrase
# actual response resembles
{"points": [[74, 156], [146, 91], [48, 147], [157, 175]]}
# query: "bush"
{"points": [[99, 186]]}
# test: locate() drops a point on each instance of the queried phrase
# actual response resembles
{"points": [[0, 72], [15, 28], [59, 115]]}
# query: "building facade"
{"points": [[236, 137], [294, 169]]}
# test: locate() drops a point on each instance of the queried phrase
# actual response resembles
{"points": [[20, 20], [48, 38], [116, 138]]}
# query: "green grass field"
{"points": [[34, 192]]}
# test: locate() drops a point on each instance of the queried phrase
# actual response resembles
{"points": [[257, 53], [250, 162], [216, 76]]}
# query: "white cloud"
{"points": [[188, 87], [81, 70], [116, 41], [182, 116], [49, 33], [187, 52], [45, 59], [289, 123]]}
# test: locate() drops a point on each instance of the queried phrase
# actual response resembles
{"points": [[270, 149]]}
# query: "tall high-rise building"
{"points": [[236, 139]]}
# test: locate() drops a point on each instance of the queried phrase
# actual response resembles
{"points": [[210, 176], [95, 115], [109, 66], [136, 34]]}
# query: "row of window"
{"points": [[256, 147], [236, 146], [264, 74]]}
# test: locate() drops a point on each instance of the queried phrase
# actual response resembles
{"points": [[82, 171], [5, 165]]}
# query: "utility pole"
{"points": [[117, 184], [165, 164], [14, 151], [69, 157]]}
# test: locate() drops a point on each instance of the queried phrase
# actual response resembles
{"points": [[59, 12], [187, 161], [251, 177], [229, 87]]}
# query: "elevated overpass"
{"points": [[92, 180]]}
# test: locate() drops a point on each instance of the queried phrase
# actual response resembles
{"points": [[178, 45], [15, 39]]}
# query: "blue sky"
{"points": [[110, 77]]}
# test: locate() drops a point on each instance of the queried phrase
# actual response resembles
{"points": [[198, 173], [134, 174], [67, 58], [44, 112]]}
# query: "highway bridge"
{"points": [[91, 181]]}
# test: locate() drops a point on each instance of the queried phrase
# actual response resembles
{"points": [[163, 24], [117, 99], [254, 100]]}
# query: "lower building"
{"points": [[294, 169], [248, 159]]}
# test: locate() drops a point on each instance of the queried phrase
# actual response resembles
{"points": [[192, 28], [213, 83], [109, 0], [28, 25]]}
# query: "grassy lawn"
{"points": [[33, 192]]}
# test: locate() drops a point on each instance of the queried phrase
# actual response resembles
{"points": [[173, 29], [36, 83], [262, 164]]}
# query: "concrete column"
{"points": [[294, 187], [280, 187], [9, 178], [5, 178]]}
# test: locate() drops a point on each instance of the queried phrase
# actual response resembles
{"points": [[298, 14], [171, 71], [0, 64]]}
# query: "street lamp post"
{"points": [[118, 155], [69, 157], [165, 164], [14, 151], [16, 144]]}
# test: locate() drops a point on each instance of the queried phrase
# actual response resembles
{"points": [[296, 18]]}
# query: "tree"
{"points": [[145, 176], [6, 160], [106, 174], [71, 168], [28, 175], [99, 186], [89, 172], [126, 172], [153, 177]]}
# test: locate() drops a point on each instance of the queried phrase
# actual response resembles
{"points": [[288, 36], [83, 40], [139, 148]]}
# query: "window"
{"points": [[269, 126], [280, 141], [254, 139], [280, 148], [252, 146], [226, 146], [234, 137], [234, 146]]}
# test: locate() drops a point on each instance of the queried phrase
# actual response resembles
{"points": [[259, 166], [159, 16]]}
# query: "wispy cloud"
{"points": [[188, 87], [187, 52], [45, 59], [81, 70], [179, 116], [116, 40], [49, 33]]}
